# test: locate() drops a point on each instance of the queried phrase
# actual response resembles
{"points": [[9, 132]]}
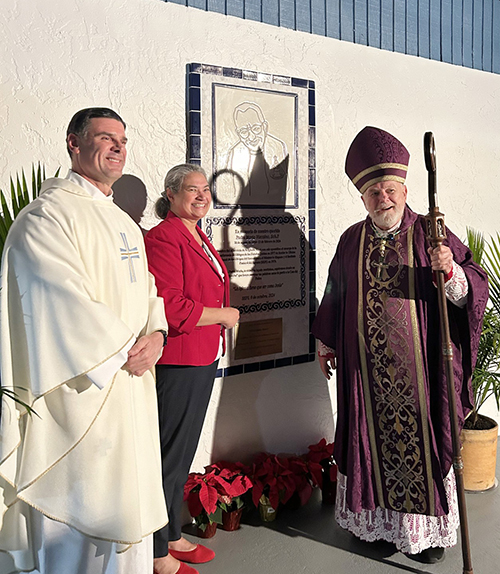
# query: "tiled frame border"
{"points": [[194, 151]]}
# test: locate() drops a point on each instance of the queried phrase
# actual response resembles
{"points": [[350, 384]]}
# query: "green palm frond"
{"points": [[15, 397], [20, 196], [475, 241], [492, 266], [486, 375]]}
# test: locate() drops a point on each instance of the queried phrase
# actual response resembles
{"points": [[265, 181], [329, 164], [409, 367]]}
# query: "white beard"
{"points": [[388, 219]]}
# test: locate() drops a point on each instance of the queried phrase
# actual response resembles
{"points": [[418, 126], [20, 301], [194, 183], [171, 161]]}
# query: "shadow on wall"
{"points": [[281, 410], [277, 410], [130, 194]]}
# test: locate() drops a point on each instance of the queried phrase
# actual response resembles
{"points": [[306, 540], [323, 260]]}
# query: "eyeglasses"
{"points": [[250, 129]]}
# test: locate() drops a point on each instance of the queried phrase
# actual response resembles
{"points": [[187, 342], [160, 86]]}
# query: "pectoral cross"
{"points": [[381, 264]]}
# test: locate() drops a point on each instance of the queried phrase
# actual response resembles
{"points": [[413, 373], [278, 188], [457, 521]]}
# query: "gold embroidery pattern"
{"points": [[394, 392]]}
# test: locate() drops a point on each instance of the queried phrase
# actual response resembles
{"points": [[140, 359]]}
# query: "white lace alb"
{"points": [[411, 533]]}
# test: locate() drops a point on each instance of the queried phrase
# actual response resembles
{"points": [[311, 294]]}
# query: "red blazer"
{"points": [[188, 281]]}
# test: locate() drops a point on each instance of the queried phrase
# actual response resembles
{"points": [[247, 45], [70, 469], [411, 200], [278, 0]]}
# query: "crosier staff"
{"points": [[436, 233]]}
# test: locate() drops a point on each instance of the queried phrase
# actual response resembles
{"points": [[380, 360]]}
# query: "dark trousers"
{"points": [[183, 397]]}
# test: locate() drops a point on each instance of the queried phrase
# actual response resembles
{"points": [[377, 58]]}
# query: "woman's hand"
{"points": [[230, 318], [225, 316]]}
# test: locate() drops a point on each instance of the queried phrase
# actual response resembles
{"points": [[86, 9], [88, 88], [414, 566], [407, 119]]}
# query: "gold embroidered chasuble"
{"points": [[392, 373], [75, 290]]}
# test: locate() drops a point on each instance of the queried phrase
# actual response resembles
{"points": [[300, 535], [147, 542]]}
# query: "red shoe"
{"points": [[183, 569], [198, 555]]}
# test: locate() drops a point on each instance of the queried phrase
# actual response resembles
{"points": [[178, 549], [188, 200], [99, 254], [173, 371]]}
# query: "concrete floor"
{"points": [[308, 540]]}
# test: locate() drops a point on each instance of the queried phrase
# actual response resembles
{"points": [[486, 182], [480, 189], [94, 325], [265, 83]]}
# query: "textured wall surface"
{"points": [[61, 55], [462, 32]]}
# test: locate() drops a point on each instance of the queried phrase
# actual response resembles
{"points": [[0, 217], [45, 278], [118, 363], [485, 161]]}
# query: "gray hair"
{"points": [[173, 181]]}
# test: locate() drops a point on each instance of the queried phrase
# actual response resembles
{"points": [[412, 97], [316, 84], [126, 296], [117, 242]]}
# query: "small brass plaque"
{"points": [[257, 338]]}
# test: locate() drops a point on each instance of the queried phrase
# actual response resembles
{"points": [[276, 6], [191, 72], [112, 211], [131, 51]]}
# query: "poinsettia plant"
{"points": [[272, 479], [306, 475], [236, 483], [322, 453], [213, 491]]}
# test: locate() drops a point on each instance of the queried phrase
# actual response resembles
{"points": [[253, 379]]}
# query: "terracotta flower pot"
{"points": [[231, 520], [479, 453], [209, 531], [266, 511]]}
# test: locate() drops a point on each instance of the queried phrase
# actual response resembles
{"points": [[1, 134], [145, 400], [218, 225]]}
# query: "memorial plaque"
{"points": [[254, 133], [258, 338]]}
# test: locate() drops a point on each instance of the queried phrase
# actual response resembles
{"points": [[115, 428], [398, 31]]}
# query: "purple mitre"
{"points": [[376, 155]]}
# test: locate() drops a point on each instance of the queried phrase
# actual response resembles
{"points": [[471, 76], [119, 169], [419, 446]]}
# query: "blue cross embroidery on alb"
{"points": [[129, 253]]}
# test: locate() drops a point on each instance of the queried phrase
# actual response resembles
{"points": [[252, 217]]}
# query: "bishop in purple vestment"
{"points": [[378, 326]]}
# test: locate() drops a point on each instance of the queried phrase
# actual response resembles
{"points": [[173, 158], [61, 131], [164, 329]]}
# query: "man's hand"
{"points": [[327, 365], [441, 258], [144, 354]]}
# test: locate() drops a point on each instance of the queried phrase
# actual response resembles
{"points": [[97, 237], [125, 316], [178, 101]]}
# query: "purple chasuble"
{"points": [[380, 314]]}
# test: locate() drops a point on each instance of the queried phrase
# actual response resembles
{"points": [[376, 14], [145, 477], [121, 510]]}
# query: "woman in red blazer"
{"points": [[192, 279]]}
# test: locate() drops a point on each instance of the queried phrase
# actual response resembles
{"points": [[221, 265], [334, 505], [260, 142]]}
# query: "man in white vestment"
{"points": [[81, 328]]}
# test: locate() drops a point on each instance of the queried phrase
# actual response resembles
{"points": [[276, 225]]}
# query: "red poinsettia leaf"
{"points": [[257, 491], [239, 486], [320, 451], [287, 490], [272, 482], [274, 497], [233, 489], [221, 484], [194, 504], [247, 482], [227, 474], [318, 446], [194, 480], [208, 498], [298, 465], [316, 471]]}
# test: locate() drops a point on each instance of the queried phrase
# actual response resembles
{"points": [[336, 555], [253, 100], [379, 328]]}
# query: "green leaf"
{"points": [[24, 193], [216, 516], [475, 241], [15, 397], [16, 194], [6, 216], [486, 376], [21, 196]]}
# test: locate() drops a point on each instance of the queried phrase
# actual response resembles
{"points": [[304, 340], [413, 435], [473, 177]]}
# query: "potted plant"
{"points": [[20, 196], [201, 494], [306, 475], [322, 453], [234, 484], [273, 483], [211, 494], [480, 433]]}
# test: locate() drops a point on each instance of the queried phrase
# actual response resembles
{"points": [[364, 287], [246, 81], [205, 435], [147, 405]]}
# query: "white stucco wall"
{"points": [[62, 55]]}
